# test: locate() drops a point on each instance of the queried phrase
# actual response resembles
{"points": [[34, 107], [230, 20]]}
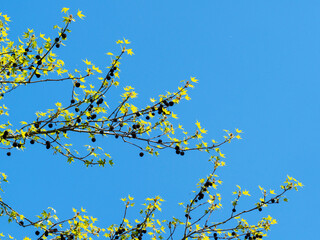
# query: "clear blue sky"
{"points": [[258, 68]]}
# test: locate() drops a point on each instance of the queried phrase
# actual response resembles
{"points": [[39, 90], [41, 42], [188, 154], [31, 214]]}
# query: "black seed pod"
{"points": [[141, 154], [100, 101]]}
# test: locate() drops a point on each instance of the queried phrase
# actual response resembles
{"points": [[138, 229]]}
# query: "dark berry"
{"points": [[260, 209], [141, 154], [27, 49], [21, 223], [233, 233], [176, 147], [182, 153], [38, 57], [32, 141], [160, 141], [46, 233], [15, 144], [38, 75], [57, 45], [108, 77], [93, 116], [177, 151], [116, 136], [39, 62], [78, 120], [36, 125], [77, 84], [37, 233], [72, 101], [138, 114], [8, 153], [8, 73], [64, 36], [56, 39], [93, 139], [111, 128], [234, 210], [100, 101], [147, 117], [14, 65], [121, 124], [111, 74], [19, 145], [101, 132], [272, 200], [50, 125], [171, 103], [133, 134], [77, 109], [215, 234]]}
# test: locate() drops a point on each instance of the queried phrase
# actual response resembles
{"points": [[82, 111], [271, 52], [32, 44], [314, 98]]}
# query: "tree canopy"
{"points": [[149, 130]]}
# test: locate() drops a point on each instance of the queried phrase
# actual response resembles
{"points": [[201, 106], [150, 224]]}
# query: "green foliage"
{"points": [[149, 129]]}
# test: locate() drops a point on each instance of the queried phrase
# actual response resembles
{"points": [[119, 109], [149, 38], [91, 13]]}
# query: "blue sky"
{"points": [[258, 68]]}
